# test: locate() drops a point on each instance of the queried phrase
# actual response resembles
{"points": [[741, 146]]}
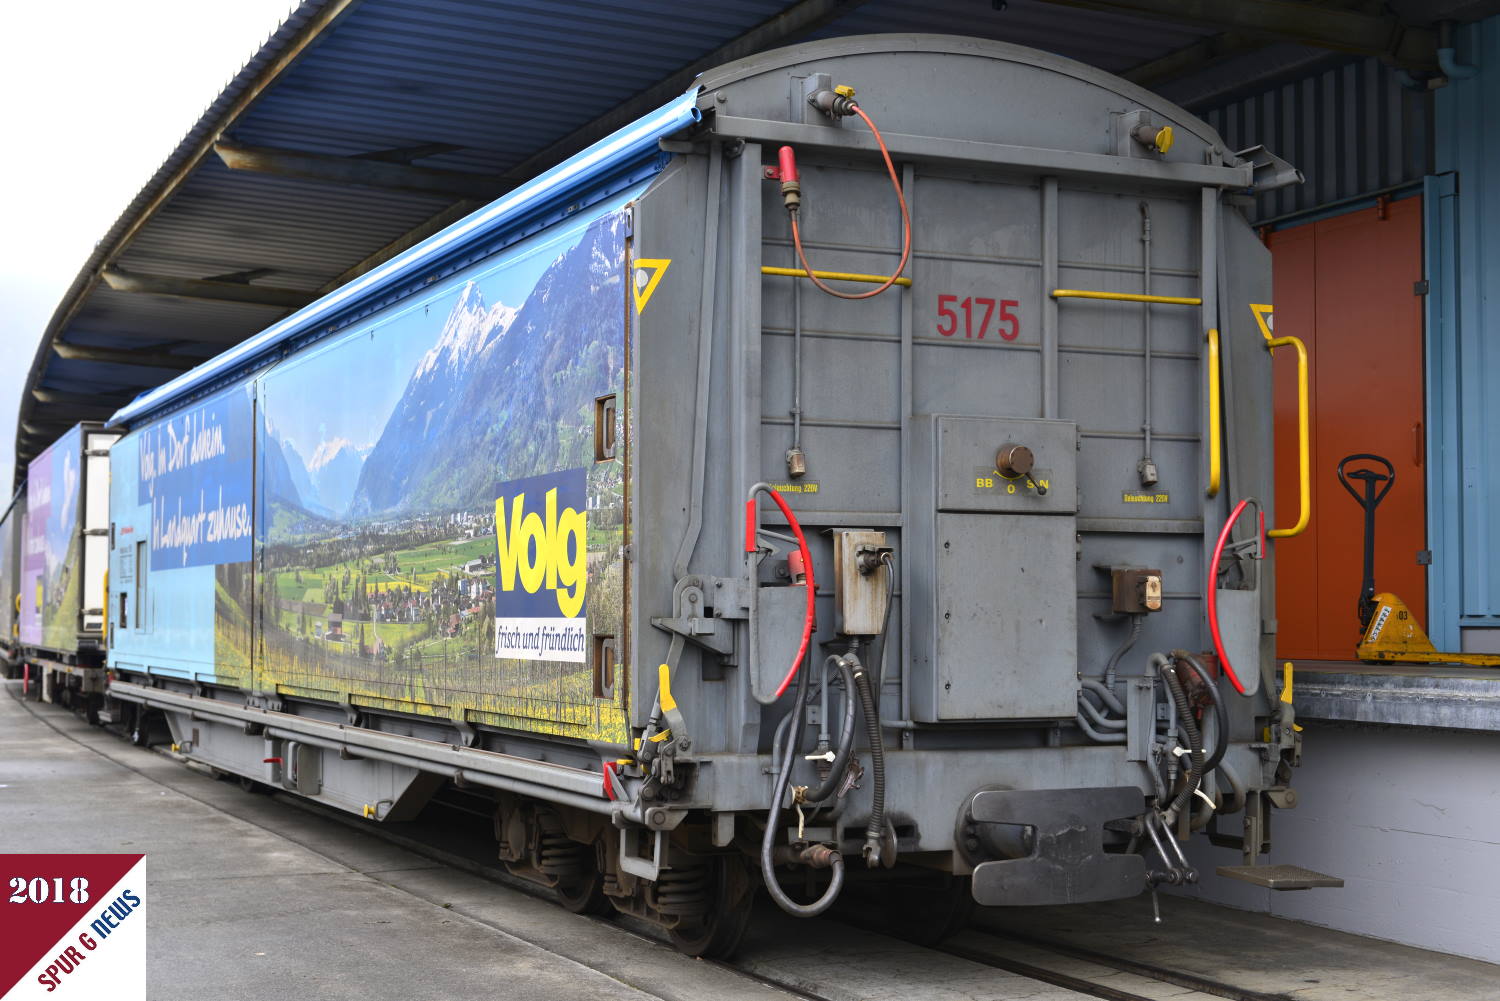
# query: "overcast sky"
{"points": [[93, 96]]}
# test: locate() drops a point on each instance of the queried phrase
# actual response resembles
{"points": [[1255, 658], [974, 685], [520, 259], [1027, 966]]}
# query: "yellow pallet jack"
{"points": [[1391, 634]]}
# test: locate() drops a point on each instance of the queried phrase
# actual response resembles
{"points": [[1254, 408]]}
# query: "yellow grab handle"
{"points": [[1214, 431], [1304, 445], [1161, 300], [842, 276]]}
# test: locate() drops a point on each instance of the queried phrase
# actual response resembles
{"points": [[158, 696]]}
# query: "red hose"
{"points": [[810, 616], [1212, 597]]}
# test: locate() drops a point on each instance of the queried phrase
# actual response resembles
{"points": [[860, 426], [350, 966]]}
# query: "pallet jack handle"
{"points": [[1369, 501]]}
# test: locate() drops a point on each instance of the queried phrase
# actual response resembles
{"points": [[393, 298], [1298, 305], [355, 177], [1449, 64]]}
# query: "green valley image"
{"points": [[382, 457]]}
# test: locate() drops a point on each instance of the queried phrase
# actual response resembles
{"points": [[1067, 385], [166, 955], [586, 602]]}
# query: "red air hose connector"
{"points": [[1211, 597], [791, 183]]}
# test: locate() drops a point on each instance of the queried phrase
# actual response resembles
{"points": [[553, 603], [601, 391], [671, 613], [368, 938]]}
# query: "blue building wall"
{"points": [[1463, 351]]}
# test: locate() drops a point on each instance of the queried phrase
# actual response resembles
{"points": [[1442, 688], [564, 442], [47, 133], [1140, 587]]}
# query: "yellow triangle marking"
{"points": [[1263, 318], [645, 275]]}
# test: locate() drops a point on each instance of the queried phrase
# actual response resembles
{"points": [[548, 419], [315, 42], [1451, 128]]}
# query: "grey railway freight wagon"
{"points": [[12, 523], [63, 561], [860, 465]]}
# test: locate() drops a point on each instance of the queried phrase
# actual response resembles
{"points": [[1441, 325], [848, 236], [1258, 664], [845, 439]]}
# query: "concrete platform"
{"points": [[254, 899]]}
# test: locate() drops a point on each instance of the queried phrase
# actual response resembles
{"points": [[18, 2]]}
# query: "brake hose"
{"points": [[840, 762], [1221, 715], [1194, 738], [773, 818]]}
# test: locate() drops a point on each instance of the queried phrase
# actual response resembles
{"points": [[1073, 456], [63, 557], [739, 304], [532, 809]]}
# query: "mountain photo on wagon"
{"points": [[391, 560]]}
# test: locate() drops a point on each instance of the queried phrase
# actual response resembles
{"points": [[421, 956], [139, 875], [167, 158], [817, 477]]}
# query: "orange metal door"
{"points": [[1345, 286]]}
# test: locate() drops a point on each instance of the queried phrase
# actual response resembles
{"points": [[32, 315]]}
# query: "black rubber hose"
{"points": [[885, 621], [773, 819], [1221, 715], [875, 829], [1195, 739], [846, 737], [1122, 650]]}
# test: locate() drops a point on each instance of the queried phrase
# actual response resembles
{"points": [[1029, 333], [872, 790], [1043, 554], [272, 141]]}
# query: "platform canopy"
{"points": [[363, 126]]}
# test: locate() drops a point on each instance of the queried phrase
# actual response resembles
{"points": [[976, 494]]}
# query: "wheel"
{"points": [[718, 932], [584, 894], [929, 911]]}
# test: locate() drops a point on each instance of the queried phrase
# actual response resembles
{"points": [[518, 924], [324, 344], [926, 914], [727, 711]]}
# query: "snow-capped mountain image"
{"points": [[515, 383]]}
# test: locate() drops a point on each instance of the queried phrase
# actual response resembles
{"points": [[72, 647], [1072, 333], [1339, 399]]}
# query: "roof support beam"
{"points": [[357, 170], [1305, 23], [82, 406], [204, 288], [1200, 55], [795, 21], [113, 356], [450, 215]]}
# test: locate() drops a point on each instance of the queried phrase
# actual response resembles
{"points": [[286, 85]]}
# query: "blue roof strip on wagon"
{"points": [[614, 151]]}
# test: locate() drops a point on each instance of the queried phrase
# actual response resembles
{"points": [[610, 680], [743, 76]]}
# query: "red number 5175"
{"points": [[1007, 324]]}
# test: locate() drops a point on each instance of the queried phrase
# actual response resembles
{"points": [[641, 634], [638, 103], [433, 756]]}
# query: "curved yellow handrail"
{"points": [[842, 276], [1215, 449], [1304, 435], [1163, 300]]}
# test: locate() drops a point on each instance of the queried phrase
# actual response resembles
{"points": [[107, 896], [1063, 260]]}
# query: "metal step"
{"points": [[1280, 877]]}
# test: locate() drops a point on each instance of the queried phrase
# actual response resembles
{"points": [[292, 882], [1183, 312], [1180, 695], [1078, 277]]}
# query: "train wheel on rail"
{"points": [[715, 932], [583, 893]]}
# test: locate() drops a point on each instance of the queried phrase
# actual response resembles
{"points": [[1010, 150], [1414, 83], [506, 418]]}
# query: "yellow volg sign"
{"points": [[541, 567], [548, 551]]}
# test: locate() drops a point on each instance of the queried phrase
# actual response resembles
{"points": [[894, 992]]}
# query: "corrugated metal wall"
{"points": [[1463, 351], [1354, 131]]}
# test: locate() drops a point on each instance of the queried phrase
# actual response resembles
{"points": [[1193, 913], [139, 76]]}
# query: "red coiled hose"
{"points": [[809, 618], [1212, 596]]}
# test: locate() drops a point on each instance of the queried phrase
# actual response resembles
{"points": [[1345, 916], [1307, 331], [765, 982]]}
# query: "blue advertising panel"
{"points": [[194, 471]]}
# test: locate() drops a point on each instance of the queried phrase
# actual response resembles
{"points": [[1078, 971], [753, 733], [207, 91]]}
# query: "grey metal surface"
{"points": [[582, 786], [1006, 636], [967, 479]]}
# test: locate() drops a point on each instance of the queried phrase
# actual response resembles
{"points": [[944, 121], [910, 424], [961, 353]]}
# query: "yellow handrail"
{"points": [[842, 276], [1214, 430], [1304, 434], [1162, 300]]}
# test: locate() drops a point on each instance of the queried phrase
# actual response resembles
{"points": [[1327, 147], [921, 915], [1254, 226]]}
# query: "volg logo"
{"points": [[541, 567], [547, 550]]}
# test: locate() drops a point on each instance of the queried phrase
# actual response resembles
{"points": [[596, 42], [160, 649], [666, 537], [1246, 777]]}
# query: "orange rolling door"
{"points": [[1345, 286]]}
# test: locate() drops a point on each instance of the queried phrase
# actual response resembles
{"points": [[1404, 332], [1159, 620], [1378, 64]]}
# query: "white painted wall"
{"points": [[1409, 818]]}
